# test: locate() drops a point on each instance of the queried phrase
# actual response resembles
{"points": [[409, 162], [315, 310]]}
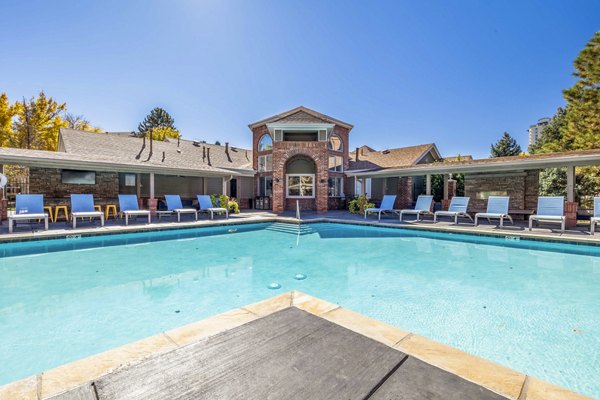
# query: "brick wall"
{"points": [[48, 182], [522, 187], [404, 196], [283, 152]]}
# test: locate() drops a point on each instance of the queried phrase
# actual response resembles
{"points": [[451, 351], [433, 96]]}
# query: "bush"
{"points": [[359, 205], [222, 200]]}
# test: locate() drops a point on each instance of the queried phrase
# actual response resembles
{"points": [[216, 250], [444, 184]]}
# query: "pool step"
{"points": [[290, 228]]}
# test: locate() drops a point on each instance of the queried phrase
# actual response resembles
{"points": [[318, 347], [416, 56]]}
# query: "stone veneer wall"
{"points": [[48, 181], [522, 187]]}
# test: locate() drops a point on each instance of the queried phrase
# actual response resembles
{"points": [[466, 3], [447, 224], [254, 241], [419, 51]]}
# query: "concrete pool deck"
{"points": [[545, 232], [289, 346]]}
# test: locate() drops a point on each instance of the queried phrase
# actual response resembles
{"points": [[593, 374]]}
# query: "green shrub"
{"points": [[359, 205], [225, 202]]}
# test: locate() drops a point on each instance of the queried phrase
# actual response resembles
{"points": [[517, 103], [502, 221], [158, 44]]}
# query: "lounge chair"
{"points": [[174, 205], [128, 206], [205, 205], [82, 206], [550, 209], [596, 217], [497, 208], [423, 206], [458, 208], [387, 204], [29, 207]]}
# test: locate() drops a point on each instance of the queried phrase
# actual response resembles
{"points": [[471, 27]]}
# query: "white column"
{"points": [[570, 183], [151, 185], [224, 185], [428, 184], [445, 187]]}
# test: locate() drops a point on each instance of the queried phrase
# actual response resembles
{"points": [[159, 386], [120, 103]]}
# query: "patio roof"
{"points": [[534, 161], [125, 153]]}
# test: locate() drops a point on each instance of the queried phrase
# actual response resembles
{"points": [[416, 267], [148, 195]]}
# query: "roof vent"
{"points": [[196, 143], [386, 152]]}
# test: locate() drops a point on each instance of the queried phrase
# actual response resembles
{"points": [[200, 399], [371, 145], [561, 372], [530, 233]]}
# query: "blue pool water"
{"points": [[531, 306]]}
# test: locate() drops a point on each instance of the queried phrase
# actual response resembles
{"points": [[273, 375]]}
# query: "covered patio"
{"points": [[517, 177]]}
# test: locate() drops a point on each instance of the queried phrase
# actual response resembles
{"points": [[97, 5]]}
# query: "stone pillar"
{"points": [[153, 206], [449, 192], [428, 184], [571, 214], [451, 188], [404, 196], [3, 210]]}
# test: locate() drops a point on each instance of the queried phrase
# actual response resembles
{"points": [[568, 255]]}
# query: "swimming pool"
{"points": [[532, 306]]}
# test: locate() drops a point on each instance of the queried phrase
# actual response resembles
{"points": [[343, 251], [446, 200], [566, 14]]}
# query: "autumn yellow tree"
{"points": [[7, 112], [79, 122], [37, 124]]}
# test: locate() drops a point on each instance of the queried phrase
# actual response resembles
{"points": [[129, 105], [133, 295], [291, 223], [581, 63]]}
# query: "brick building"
{"points": [[297, 157]]}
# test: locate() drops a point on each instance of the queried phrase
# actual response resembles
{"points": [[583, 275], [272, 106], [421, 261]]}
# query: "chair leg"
{"points": [[101, 220], [401, 216], [74, 222], [10, 225], [502, 222], [46, 223], [226, 214], [475, 222], [196, 216], [434, 218], [178, 217], [530, 224], [562, 226], [126, 219], [379, 216], [455, 219], [149, 221]]}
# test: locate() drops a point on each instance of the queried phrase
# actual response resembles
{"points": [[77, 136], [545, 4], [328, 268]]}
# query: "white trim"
{"points": [[287, 189]]}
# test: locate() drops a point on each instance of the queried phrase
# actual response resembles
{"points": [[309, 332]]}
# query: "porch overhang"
{"points": [[520, 163], [59, 160]]}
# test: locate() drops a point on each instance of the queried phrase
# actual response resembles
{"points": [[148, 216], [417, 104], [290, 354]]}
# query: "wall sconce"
{"points": [[322, 180], [277, 180]]}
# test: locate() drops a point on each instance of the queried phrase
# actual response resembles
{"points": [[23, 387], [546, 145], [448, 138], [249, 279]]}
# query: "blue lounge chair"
{"points": [[82, 206], [205, 205], [596, 217], [174, 205], [28, 207], [129, 206], [550, 209], [387, 204], [423, 206], [458, 208], [497, 208]]}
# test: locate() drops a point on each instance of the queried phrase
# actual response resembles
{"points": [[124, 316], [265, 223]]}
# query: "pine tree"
{"points": [[582, 129], [506, 146], [161, 121]]}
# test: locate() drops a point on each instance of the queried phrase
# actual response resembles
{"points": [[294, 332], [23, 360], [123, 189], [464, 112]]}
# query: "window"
{"points": [[322, 135], [335, 143], [265, 163], [129, 179], [265, 186], [79, 177], [300, 185], [335, 186], [265, 143], [278, 135], [336, 164]]}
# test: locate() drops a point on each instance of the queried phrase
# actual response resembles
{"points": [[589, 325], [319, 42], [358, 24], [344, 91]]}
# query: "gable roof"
{"points": [[369, 159], [301, 115]]}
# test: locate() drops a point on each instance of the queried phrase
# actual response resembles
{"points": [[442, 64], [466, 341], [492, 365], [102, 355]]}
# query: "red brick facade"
{"points": [[285, 151]]}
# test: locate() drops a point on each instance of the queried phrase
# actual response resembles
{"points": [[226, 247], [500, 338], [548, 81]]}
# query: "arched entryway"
{"points": [[300, 176]]}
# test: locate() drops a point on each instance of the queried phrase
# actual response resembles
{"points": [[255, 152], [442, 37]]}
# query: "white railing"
{"points": [[298, 210]]}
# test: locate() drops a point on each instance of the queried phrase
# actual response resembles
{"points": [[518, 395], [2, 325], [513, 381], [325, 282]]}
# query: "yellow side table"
{"points": [[110, 209], [98, 207], [65, 211], [50, 212]]}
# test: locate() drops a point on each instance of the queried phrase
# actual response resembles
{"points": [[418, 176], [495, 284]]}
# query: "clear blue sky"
{"points": [[403, 72]]}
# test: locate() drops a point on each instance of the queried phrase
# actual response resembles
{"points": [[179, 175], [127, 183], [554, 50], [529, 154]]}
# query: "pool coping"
{"points": [[497, 378], [169, 226]]}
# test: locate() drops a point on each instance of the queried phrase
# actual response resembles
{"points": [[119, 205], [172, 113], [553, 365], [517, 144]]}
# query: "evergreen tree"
{"points": [[161, 120], [217, 143], [506, 146], [582, 130]]}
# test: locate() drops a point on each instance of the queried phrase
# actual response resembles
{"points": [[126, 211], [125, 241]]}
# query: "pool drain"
{"points": [[274, 286]]}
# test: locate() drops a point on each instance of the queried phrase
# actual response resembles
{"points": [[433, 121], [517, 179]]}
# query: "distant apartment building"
{"points": [[536, 130]]}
